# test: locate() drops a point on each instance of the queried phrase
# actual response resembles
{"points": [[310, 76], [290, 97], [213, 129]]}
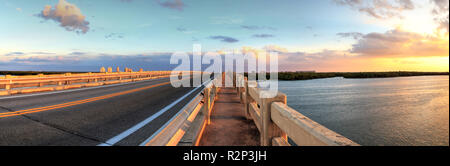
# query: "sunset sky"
{"points": [[325, 35]]}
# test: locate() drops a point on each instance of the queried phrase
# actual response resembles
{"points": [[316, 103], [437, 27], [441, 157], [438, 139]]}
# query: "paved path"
{"points": [[229, 127]]}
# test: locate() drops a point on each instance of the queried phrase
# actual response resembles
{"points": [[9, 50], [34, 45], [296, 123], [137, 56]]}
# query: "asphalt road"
{"points": [[89, 116]]}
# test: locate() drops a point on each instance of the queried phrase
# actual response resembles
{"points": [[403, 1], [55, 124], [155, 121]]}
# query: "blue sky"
{"points": [[136, 29]]}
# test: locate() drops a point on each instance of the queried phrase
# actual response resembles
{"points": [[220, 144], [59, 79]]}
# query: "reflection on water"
{"points": [[378, 111]]}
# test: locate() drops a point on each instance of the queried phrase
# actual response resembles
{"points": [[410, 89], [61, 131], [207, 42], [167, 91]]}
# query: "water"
{"points": [[378, 111]]}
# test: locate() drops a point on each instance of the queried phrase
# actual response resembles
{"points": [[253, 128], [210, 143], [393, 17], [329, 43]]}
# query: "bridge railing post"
{"points": [[240, 83], [223, 79], [207, 104], [234, 80], [8, 85], [269, 129], [238, 89], [40, 84], [247, 100]]}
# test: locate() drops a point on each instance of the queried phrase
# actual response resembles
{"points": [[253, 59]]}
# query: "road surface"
{"points": [[91, 116]]}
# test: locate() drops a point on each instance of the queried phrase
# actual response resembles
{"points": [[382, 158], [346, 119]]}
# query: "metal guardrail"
{"points": [[38, 83], [276, 121]]}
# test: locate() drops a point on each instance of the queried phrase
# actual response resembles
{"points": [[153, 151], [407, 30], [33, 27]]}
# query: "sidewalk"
{"points": [[229, 127]]}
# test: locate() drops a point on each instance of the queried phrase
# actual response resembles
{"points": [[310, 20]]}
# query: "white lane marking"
{"points": [[79, 89], [136, 127]]}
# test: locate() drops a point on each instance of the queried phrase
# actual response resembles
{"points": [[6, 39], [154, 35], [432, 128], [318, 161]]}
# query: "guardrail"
{"points": [[39, 83], [186, 127], [277, 122]]}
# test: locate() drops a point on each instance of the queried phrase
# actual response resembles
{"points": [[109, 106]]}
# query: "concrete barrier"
{"points": [[277, 122], [304, 131], [39, 83], [186, 127], [171, 134]]}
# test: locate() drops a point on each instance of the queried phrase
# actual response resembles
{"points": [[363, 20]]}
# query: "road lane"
{"points": [[76, 102], [20, 102], [89, 123]]}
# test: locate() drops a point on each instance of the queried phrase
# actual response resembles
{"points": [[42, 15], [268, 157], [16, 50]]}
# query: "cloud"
{"points": [[39, 60], [181, 29], [441, 14], [42, 53], [441, 6], [78, 53], [224, 39], [275, 48], [18, 53], [114, 36], [194, 39], [263, 36], [389, 51], [325, 60], [354, 35], [80, 62], [14, 54], [184, 30], [68, 15], [399, 43], [172, 4], [381, 9], [443, 25], [254, 27]]}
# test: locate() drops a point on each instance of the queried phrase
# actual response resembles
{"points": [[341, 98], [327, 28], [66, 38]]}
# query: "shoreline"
{"points": [[292, 76], [362, 78]]}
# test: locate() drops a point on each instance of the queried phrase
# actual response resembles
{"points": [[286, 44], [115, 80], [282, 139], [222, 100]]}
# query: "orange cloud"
{"points": [[393, 50], [399, 43]]}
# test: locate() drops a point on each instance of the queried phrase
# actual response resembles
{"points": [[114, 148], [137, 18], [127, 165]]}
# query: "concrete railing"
{"points": [[277, 122], [186, 127], [10, 85]]}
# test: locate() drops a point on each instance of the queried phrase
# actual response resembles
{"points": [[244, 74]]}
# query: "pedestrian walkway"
{"points": [[228, 123]]}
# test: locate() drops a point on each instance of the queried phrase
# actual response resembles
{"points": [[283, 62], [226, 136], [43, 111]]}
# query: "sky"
{"points": [[324, 35]]}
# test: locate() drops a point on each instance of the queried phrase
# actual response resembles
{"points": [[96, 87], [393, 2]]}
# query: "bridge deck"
{"points": [[229, 127]]}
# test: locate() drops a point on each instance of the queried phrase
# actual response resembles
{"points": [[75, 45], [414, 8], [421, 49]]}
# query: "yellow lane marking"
{"points": [[78, 102]]}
